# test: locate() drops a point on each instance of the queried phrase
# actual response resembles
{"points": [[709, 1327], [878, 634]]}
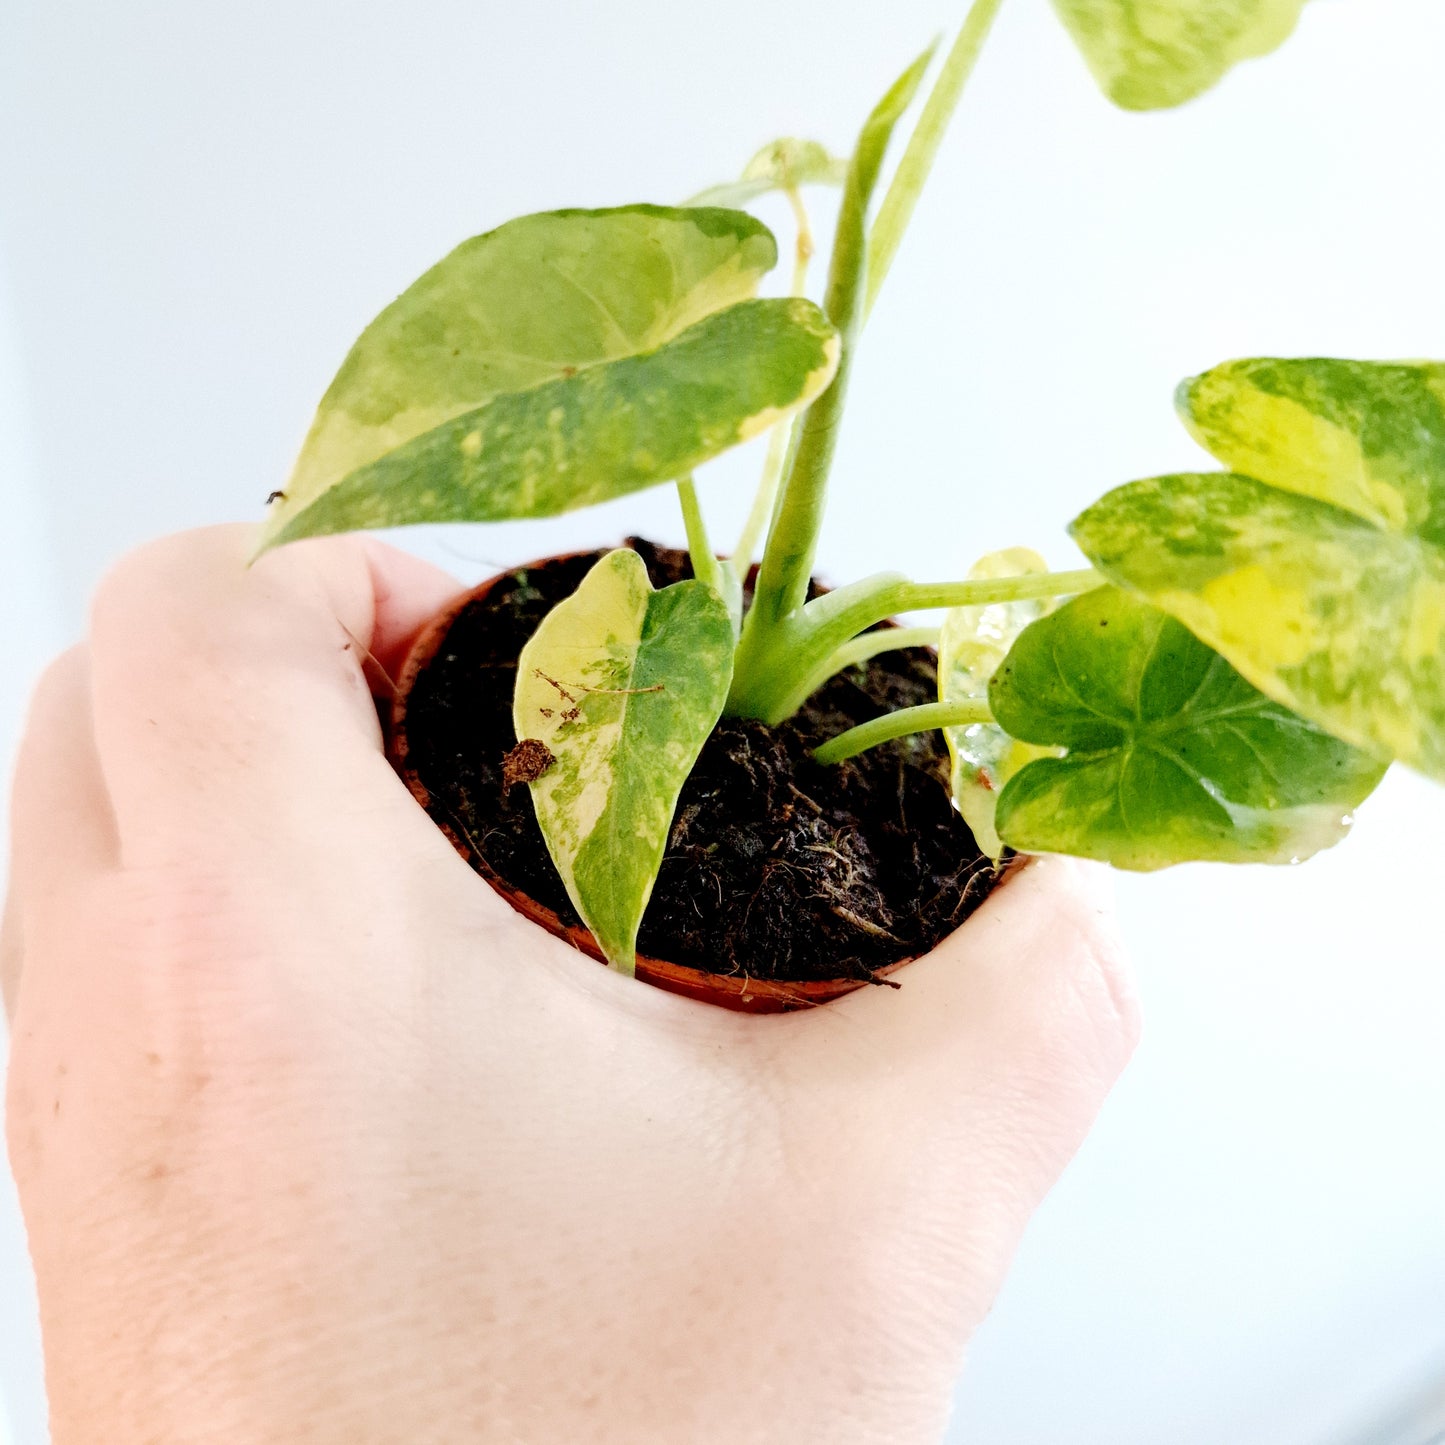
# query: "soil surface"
{"points": [[776, 867]]}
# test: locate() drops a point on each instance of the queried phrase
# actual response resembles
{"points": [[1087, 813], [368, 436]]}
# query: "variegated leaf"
{"points": [[1368, 436], [610, 429], [1150, 54], [551, 339], [973, 641], [1171, 754], [622, 685], [1337, 618]]}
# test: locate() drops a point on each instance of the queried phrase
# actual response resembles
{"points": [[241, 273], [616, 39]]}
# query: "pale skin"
{"points": [[317, 1141]]}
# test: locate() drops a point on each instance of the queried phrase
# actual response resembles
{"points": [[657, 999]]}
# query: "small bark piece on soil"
{"points": [[776, 867]]}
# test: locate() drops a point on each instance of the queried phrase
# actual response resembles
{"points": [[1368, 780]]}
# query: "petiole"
{"points": [[899, 724]]}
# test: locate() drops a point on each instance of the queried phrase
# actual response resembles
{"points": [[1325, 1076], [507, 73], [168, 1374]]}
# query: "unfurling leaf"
{"points": [[621, 686], [1150, 54], [781, 165], [556, 361], [1171, 754], [1322, 576], [973, 641]]}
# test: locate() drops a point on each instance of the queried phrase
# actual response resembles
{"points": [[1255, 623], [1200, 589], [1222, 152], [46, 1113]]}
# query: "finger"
{"points": [[407, 593], [1008, 1037], [229, 700], [11, 954], [62, 828]]}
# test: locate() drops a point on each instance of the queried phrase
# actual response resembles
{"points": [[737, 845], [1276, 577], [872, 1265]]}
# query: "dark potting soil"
{"points": [[776, 867]]}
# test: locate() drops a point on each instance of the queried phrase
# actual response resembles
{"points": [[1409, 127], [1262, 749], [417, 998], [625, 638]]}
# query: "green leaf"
{"points": [[1172, 755], [480, 373], [973, 641], [781, 165], [623, 685], [1151, 54], [1337, 618]]}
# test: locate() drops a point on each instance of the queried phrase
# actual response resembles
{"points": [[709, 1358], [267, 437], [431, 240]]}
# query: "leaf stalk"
{"points": [[801, 645], [899, 724]]}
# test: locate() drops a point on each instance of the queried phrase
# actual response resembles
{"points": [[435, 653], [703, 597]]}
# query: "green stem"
{"points": [[800, 646], [792, 540], [913, 596], [908, 181], [705, 565], [847, 611], [859, 649], [764, 499], [787, 565], [898, 724]]}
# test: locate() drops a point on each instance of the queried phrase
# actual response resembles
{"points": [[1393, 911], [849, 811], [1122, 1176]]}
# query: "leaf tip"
{"points": [[262, 542]]}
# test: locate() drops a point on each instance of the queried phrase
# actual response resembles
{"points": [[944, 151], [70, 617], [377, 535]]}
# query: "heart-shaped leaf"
{"points": [[1172, 755], [1150, 54], [621, 685], [549, 342], [781, 165], [972, 642], [1337, 617]]}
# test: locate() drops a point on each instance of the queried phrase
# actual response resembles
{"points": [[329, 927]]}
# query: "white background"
{"points": [[201, 204]]}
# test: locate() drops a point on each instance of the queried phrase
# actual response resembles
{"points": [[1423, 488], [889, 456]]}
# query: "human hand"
{"points": [[317, 1141]]}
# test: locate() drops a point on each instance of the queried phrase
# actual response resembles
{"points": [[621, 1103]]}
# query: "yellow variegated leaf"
{"points": [[609, 430], [622, 685], [559, 360], [973, 641], [1368, 436]]}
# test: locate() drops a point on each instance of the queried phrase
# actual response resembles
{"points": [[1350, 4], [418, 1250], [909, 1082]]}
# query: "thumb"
{"points": [[226, 698], [990, 1063]]}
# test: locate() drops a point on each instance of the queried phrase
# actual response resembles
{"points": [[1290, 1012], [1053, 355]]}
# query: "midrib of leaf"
{"points": [[1120, 792], [621, 340], [1211, 790], [1137, 681], [1203, 682], [628, 700], [1181, 723], [654, 339]]}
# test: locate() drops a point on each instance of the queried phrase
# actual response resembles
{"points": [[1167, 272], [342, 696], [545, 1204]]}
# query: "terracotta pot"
{"points": [[732, 991]]}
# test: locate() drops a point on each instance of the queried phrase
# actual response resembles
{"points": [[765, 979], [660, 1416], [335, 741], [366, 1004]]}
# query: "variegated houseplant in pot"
{"points": [[751, 790]]}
